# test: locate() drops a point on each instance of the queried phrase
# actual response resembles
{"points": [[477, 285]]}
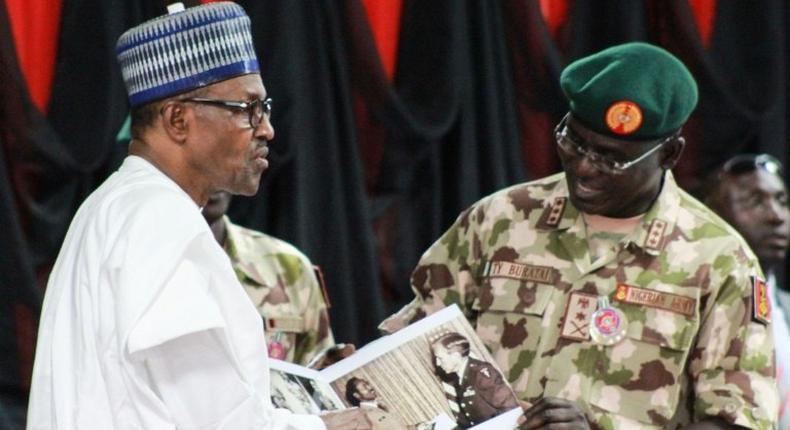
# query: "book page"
{"points": [[301, 390], [432, 374]]}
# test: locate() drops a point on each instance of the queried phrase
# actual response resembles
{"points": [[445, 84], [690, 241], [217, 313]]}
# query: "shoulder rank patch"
{"points": [[656, 299], [557, 208], [552, 214], [655, 234], [761, 304]]}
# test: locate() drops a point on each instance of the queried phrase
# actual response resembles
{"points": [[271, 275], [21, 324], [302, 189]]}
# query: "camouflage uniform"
{"points": [[282, 284], [677, 364]]}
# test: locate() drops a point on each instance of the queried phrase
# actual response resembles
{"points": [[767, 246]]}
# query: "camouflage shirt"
{"points": [[282, 284], [519, 265]]}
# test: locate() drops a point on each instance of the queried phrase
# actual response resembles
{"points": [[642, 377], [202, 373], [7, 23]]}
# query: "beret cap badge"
{"points": [[623, 117]]}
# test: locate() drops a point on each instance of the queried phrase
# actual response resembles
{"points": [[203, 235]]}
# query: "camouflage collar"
{"points": [[651, 235], [239, 253]]}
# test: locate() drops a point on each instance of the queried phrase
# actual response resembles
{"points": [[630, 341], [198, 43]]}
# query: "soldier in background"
{"points": [[475, 389], [748, 191], [281, 282], [609, 296]]}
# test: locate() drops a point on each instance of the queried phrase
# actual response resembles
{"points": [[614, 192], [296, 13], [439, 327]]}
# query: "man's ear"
{"points": [[672, 152], [174, 120]]}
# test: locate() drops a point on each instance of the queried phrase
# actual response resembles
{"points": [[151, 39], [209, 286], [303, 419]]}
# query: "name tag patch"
{"points": [[656, 299], [521, 272], [284, 323]]}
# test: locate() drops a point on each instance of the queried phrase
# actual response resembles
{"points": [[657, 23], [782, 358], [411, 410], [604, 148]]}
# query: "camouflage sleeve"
{"points": [[445, 274], [732, 365], [317, 335]]}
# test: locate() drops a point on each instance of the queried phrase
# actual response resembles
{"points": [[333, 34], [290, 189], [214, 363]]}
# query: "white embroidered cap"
{"points": [[185, 50]]}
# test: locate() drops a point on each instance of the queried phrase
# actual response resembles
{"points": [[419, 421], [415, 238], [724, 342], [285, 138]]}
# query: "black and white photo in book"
{"points": [[435, 374]]}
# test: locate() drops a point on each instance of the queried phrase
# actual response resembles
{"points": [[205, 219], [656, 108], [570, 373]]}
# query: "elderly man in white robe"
{"points": [[144, 324]]}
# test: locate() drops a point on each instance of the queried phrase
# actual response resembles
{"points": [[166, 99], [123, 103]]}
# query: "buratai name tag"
{"points": [[521, 272]]}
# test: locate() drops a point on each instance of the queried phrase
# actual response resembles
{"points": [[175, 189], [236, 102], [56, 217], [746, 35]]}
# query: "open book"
{"points": [[432, 375]]}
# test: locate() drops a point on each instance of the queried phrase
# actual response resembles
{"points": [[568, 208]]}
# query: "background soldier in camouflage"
{"points": [[749, 192], [281, 282], [610, 297]]}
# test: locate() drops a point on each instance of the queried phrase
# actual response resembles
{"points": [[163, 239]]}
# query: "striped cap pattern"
{"points": [[186, 50]]}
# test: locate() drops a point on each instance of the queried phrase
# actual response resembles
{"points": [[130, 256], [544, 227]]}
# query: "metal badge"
{"points": [[276, 348], [608, 323]]}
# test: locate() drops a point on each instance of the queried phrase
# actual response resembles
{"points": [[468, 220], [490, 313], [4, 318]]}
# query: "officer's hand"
{"points": [[553, 413], [332, 355], [346, 419]]}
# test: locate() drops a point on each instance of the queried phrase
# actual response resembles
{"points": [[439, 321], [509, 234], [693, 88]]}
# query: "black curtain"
{"points": [[49, 165], [313, 195]]}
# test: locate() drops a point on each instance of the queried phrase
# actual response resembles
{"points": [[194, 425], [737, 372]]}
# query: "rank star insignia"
{"points": [[623, 117]]}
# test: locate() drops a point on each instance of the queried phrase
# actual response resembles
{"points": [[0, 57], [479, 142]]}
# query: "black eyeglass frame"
{"points": [[602, 162], [251, 107]]}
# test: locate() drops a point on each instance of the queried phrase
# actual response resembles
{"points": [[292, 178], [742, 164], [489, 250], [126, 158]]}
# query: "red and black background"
{"points": [[391, 117]]}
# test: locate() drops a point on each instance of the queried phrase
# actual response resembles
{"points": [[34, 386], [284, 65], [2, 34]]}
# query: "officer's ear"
{"points": [[671, 152]]}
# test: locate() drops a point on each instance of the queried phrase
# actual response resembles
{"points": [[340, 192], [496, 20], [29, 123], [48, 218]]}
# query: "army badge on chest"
{"points": [[608, 323]]}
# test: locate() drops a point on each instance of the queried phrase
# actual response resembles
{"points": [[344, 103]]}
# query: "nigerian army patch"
{"points": [[761, 304]]}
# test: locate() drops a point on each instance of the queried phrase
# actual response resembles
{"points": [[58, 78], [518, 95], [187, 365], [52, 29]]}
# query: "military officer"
{"points": [[475, 389], [281, 282], [610, 297], [749, 192]]}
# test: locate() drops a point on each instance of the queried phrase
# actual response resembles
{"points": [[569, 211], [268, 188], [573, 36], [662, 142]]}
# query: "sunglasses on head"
{"points": [[750, 162]]}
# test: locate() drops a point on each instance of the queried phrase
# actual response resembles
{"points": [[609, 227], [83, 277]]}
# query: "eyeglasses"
{"points": [[749, 162], [601, 162], [256, 109]]}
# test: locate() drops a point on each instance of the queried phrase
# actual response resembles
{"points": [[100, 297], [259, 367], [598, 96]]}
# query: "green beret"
{"points": [[634, 91]]}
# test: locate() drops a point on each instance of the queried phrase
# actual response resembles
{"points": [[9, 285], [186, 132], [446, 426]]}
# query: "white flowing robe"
{"points": [[144, 324]]}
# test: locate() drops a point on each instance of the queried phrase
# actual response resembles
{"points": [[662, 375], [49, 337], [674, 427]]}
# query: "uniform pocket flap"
{"points": [[507, 295], [665, 316]]}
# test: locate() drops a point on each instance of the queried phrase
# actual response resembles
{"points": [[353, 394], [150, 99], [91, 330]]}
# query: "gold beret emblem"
{"points": [[624, 117]]}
